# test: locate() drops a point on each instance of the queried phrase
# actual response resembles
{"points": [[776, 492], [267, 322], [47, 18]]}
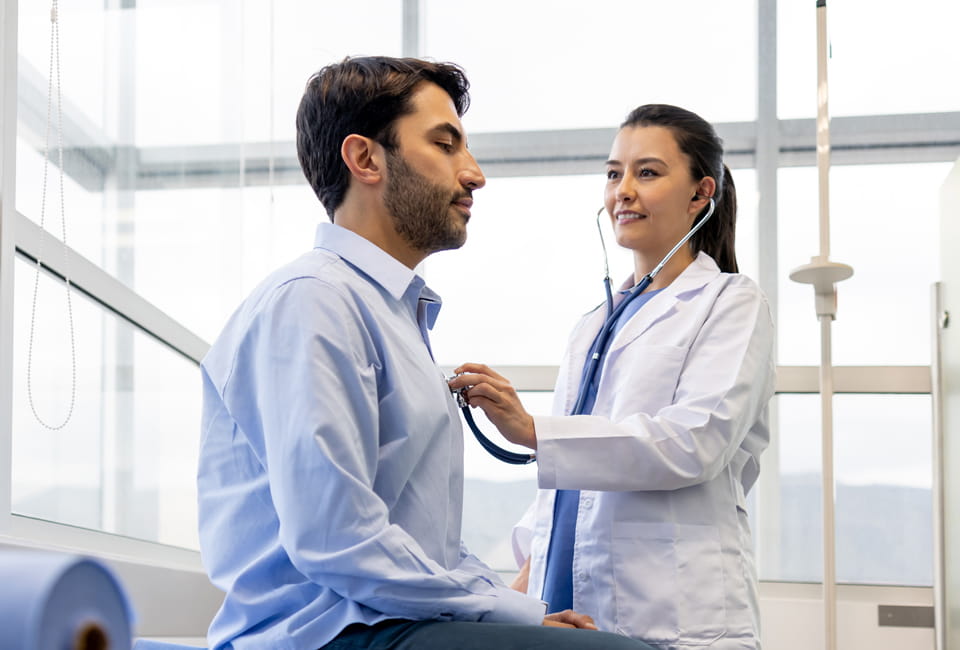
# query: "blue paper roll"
{"points": [[53, 601]]}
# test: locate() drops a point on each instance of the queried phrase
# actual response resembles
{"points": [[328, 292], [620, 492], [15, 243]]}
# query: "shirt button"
{"points": [[582, 576], [588, 503]]}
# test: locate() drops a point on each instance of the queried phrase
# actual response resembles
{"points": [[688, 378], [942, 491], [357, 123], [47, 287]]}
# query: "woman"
{"points": [[641, 519]]}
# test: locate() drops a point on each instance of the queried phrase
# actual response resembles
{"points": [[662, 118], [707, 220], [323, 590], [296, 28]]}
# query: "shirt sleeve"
{"points": [[304, 390], [721, 397]]}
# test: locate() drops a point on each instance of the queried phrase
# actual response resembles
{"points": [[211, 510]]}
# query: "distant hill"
{"points": [[490, 509], [884, 532]]}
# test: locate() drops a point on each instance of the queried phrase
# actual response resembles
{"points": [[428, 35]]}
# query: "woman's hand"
{"points": [[499, 401], [569, 618]]}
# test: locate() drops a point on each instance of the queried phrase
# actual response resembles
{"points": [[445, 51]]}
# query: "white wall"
{"points": [[950, 373], [792, 617]]}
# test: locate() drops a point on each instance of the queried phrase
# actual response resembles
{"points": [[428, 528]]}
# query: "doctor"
{"points": [[641, 518]]}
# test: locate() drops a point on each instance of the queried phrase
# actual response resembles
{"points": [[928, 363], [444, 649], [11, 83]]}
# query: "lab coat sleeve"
{"points": [[723, 388], [316, 407]]}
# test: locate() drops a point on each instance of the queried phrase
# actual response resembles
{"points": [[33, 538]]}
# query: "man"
{"points": [[331, 469]]}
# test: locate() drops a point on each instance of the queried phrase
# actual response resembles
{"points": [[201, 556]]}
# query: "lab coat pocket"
{"points": [[641, 377], [669, 582]]}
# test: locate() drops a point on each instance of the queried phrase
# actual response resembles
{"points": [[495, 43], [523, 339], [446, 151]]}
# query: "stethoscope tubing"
{"points": [[603, 338], [593, 363], [501, 454]]}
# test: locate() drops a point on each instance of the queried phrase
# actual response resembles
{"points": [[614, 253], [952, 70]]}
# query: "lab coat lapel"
{"points": [[693, 278], [576, 358], [701, 271]]}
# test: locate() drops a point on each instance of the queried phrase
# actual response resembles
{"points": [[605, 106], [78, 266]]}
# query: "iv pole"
{"points": [[823, 274]]}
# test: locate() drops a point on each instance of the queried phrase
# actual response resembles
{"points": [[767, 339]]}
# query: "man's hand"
{"points": [[569, 618], [498, 398]]}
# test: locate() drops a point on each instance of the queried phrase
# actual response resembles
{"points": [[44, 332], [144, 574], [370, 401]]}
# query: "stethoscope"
{"points": [[602, 340]]}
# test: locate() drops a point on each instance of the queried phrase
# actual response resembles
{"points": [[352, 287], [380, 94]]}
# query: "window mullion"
{"points": [[8, 135]]}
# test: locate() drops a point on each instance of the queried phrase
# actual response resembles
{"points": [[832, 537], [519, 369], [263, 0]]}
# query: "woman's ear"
{"points": [[363, 157], [706, 189]]}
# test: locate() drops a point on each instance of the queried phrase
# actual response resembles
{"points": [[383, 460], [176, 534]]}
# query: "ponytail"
{"points": [[717, 237]]}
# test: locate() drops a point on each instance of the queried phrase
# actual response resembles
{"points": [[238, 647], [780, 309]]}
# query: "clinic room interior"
{"points": [[149, 180]]}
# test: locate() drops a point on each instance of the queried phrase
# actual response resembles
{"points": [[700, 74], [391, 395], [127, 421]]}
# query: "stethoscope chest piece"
{"points": [[510, 457]]}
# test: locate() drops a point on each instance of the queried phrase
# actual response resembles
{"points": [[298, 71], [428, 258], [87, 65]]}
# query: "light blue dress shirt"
{"points": [[331, 460]]}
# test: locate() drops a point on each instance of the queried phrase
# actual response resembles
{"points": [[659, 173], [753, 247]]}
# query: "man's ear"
{"points": [[364, 158]]}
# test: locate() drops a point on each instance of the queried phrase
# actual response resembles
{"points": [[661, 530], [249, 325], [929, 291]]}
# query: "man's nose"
{"points": [[471, 176]]}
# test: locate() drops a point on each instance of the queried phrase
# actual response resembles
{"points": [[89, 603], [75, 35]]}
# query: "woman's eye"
{"points": [[647, 172], [612, 174]]}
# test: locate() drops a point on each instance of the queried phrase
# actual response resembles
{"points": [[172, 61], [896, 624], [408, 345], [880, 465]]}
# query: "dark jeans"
{"points": [[456, 635]]}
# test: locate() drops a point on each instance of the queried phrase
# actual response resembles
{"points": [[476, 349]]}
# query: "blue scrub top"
{"points": [[558, 581]]}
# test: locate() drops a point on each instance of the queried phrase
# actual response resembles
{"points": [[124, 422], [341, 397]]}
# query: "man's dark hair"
{"points": [[363, 95]]}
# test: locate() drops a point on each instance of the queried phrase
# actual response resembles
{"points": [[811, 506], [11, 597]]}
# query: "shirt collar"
{"points": [[383, 268], [399, 280]]}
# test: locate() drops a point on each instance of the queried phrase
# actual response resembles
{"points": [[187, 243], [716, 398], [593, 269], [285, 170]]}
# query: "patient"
{"points": [[331, 462]]}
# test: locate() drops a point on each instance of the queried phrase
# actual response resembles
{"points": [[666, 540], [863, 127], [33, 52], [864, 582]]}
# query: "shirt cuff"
{"points": [[515, 607]]}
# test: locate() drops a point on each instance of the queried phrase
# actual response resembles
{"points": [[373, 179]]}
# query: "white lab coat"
{"points": [[663, 549]]}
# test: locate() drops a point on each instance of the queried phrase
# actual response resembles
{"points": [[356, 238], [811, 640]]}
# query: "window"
{"points": [[174, 153], [172, 179], [578, 65], [889, 237], [182, 190], [883, 500], [126, 461], [534, 247], [495, 495], [882, 61]]}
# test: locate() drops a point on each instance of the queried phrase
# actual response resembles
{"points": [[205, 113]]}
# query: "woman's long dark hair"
{"points": [[699, 141]]}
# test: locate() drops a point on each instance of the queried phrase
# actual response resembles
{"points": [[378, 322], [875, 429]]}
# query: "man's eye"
{"points": [[446, 146]]}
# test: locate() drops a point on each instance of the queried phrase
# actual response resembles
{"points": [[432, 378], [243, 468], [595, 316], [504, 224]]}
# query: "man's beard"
{"points": [[421, 209]]}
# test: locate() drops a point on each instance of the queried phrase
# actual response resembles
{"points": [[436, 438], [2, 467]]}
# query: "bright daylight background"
{"points": [[180, 123]]}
